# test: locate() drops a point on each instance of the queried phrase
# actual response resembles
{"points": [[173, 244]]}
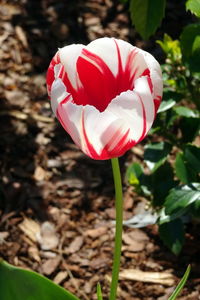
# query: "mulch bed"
{"points": [[56, 204]]}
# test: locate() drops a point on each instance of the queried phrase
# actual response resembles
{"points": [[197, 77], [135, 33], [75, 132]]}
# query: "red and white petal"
{"points": [[50, 73], [95, 133], [70, 116], [124, 123], [68, 58], [136, 108], [144, 93], [155, 73], [105, 49], [58, 94], [103, 133], [107, 134]]}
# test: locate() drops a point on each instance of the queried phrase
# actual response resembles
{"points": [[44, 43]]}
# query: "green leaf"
{"points": [[99, 293], [165, 105], [162, 181], [133, 173], [19, 284], [186, 112], [147, 15], [183, 170], [181, 284], [181, 198], [180, 168], [190, 46], [194, 7], [195, 209], [172, 234], [170, 47], [192, 155], [156, 154]]}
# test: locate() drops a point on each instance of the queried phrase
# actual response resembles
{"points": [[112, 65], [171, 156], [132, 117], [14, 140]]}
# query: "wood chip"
{"points": [[153, 277], [21, 35], [75, 245], [99, 263], [34, 253], [96, 232], [136, 235], [47, 236], [60, 277], [30, 228], [3, 236], [50, 265], [39, 174], [134, 247]]}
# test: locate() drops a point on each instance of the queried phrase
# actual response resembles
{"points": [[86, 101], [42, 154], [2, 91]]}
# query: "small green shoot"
{"points": [[181, 284], [99, 293]]}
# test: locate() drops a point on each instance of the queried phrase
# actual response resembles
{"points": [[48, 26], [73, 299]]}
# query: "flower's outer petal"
{"points": [[136, 108], [105, 48], [155, 77], [108, 134], [70, 116], [68, 58], [51, 73], [144, 93], [58, 94]]}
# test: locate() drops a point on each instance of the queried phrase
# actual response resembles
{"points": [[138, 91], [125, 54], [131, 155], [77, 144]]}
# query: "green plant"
{"points": [[171, 184], [147, 15]]}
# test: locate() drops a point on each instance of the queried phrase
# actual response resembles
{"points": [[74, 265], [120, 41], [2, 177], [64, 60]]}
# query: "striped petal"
{"points": [[102, 135]]}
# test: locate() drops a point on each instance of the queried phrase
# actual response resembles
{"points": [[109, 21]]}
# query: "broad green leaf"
{"points": [[164, 218], [192, 155], [183, 170], [20, 284], [162, 181], [147, 15], [155, 154], [190, 46], [165, 105], [181, 284], [180, 168], [181, 198], [186, 112], [99, 293], [194, 7], [195, 209], [133, 173], [172, 234]]}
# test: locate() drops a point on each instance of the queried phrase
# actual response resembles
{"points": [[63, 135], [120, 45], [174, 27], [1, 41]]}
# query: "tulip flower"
{"points": [[105, 95]]}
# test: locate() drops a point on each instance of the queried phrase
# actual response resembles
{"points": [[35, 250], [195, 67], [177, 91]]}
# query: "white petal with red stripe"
{"points": [[127, 118], [68, 58]]}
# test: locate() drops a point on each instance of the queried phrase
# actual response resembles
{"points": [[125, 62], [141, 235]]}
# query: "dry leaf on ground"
{"points": [[47, 237], [31, 228], [75, 245], [153, 277], [50, 265]]}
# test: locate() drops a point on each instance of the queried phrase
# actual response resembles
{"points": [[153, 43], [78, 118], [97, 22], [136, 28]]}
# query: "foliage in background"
{"points": [[172, 181], [147, 15]]}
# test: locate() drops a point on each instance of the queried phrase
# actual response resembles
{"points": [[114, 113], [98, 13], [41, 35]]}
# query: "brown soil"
{"points": [[56, 204]]}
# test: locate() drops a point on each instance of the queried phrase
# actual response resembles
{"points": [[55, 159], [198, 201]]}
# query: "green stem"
{"points": [[118, 227]]}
